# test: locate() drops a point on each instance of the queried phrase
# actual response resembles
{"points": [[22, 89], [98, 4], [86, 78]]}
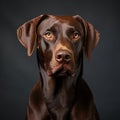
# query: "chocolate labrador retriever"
{"points": [[61, 93]]}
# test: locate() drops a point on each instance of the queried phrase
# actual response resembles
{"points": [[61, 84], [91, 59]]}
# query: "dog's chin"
{"points": [[61, 71]]}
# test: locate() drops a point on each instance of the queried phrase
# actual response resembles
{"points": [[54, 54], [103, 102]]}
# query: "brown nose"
{"points": [[63, 56]]}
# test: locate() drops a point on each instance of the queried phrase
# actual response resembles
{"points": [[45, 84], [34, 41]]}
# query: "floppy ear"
{"points": [[27, 34], [91, 36]]}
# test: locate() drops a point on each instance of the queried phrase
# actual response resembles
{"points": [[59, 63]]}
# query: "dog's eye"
{"points": [[76, 35], [49, 35]]}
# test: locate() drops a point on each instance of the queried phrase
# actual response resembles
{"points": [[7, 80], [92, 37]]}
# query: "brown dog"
{"points": [[61, 93]]}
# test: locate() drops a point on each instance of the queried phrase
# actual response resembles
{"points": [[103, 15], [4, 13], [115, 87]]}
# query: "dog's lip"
{"points": [[61, 69], [54, 70]]}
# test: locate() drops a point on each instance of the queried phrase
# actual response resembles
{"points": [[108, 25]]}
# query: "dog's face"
{"points": [[59, 41], [59, 44]]}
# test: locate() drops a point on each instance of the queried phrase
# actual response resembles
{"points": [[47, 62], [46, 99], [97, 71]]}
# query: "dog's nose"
{"points": [[63, 56]]}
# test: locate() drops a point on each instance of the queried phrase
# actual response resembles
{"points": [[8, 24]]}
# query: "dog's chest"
{"points": [[60, 107], [58, 111]]}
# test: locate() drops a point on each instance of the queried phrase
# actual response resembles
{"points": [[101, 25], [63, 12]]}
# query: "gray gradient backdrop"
{"points": [[18, 73]]}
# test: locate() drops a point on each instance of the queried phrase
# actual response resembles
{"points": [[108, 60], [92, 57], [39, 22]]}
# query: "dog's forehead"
{"points": [[60, 20]]}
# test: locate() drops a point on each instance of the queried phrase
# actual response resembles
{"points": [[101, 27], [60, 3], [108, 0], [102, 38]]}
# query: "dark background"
{"points": [[18, 72]]}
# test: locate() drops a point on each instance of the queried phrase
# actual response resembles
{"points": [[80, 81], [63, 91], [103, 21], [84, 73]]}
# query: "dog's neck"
{"points": [[53, 85]]}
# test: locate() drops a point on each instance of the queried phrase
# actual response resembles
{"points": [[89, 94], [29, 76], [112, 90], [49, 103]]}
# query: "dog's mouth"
{"points": [[62, 70]]}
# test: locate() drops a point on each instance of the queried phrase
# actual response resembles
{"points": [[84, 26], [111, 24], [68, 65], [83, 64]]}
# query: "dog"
{"points": [[60, 42]]}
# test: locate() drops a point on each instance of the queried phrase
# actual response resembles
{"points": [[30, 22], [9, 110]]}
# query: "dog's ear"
{"points": [[91, 36], [27, 33]]}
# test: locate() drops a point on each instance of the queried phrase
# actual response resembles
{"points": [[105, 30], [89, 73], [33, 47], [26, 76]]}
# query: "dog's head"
{"points": [[59, 41]]}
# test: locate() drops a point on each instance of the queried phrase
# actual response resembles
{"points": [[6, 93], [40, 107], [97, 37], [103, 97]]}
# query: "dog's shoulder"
{"points": [[36, 95], [84, 102], [83, 91], [37, 108]]}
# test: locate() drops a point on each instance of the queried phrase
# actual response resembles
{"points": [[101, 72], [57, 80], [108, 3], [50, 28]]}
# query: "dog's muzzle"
{"points": [[63, 64]]}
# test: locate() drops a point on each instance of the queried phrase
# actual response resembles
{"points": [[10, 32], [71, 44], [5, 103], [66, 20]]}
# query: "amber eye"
{"points": [[49, 35], [76, 35]]}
